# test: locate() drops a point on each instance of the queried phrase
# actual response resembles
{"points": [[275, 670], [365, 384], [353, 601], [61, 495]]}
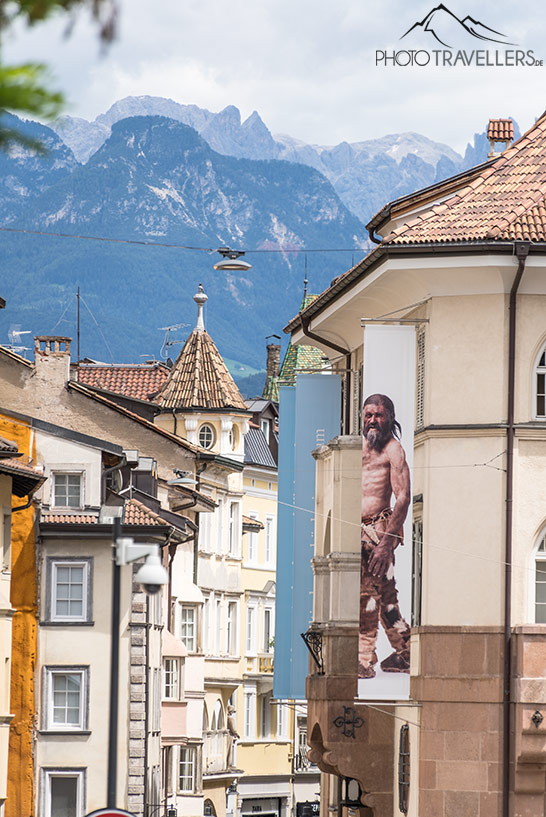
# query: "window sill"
{"points": [[65, 732], [48, 623]]}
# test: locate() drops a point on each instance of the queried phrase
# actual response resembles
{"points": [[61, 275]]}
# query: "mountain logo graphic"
{"points": [[446, 28]]}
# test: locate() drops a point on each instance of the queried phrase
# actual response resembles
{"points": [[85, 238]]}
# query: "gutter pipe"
{"points": [[341, 350], [522, 251]]}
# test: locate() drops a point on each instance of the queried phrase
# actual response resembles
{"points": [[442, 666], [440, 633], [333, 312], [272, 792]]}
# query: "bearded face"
{"points": [[377, 427]]}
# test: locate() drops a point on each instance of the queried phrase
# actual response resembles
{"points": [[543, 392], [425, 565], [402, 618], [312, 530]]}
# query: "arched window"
{"points": [[540, 580], [540, 385]]}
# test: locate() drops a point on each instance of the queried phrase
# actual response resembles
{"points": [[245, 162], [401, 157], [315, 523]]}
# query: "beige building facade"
{"points": [[463, 262]]}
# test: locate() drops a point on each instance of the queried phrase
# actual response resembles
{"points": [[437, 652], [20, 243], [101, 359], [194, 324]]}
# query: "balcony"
{"points": [[260, 664]]}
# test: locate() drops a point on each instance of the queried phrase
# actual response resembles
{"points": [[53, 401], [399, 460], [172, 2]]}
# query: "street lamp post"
{"points": [[152, 575]]}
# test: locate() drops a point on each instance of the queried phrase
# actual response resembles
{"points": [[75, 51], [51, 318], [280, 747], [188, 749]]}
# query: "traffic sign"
{"points": [[110, 812]]}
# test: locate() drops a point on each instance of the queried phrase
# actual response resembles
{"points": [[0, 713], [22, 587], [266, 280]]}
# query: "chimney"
{"points": [[499, 130], [52, 359], [273, 360]]}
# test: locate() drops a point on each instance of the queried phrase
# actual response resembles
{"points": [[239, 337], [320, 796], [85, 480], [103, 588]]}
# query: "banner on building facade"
{"points": [[388, 421]]}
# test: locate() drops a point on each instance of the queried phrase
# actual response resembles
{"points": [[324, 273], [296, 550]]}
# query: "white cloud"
{"points": [[308, 67]]}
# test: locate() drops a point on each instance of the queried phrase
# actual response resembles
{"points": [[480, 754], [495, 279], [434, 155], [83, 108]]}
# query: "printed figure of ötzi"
{"points": [[385, 473]]}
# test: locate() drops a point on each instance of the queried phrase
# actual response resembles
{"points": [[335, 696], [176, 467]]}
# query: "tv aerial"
{"points": [[15, 343], [167, 343]]}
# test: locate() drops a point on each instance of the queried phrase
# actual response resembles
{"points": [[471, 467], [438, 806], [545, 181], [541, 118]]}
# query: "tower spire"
{"points": [[200, 299]]}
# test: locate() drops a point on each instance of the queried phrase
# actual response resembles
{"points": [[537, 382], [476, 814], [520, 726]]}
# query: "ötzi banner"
{"points": [[388, 421]]}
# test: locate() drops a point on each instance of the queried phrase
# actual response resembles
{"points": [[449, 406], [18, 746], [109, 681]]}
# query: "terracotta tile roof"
{"points": [[140, 381], [506, 200], [138, 514], [200, 378], [7, 446], [501, 130], [101, 398], [25, 477], [250, 523], [48, 518]]}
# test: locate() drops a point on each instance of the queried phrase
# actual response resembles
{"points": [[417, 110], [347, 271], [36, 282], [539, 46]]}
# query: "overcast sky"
{"points": [[307, 66]]}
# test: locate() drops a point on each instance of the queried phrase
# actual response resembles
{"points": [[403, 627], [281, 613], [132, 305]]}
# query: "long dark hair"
{"points": [[382, 400]]}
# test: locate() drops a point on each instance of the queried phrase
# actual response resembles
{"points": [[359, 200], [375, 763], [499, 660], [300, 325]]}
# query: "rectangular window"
{"points": [[231, 632], [249, 720], [267, 647], [265, 429], [266, 716], [187, 628], [207, 640], [281, 721], [218, 645], [233, 541], [253, 541], [171, 679], [540, 592], [269, 544], [67, 490], [251, 630], [186, 769], [205, 532], [66, 693], [70, 584], [63, 793]]}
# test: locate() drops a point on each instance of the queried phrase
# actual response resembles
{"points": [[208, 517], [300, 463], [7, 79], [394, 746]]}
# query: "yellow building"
{"points": [[18, 609]]}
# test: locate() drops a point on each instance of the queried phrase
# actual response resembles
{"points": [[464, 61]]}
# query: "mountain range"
{"points": [[139, 174]]}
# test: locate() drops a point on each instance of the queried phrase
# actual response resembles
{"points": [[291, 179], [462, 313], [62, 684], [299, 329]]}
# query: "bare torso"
{"points": [[377, 486]]}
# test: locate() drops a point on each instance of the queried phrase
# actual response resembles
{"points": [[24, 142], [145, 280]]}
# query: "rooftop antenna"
{"points": [[305, 281], [167, 343], [14, 336]]}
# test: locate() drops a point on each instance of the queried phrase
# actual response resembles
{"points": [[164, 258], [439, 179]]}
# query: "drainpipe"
{"points": [[522, 251], [343, 351]]}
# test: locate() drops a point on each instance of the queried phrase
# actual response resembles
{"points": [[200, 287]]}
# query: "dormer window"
{"points": [[265, 429], [67, 490], [206, 436]]}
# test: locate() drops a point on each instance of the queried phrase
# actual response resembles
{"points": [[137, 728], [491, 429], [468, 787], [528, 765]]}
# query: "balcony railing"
{"points": [[261, 664]]}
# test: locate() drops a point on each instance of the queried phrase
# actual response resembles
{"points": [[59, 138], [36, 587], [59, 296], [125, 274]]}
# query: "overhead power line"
{"points": [[144, 243]]}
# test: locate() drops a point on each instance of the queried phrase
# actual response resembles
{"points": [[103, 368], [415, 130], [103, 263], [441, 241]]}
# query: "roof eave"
{"points": [[383, 252]]}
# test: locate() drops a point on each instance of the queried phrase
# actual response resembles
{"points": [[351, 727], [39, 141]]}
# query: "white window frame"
{"points": [[51, 673], [234, 529], [232, 630], [205, 531], [266, 715], [282, 721], [189, 640], [189, 753], [251, 620], [48, 775], [539, 370], [269, 539], [54, 565], [218, 628], [171, 679], [249, 712], [268, 613], [204, 428], [539, 558], [207, 640], [265, 426], [253, 541], [65, 472], [219, 518]]}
